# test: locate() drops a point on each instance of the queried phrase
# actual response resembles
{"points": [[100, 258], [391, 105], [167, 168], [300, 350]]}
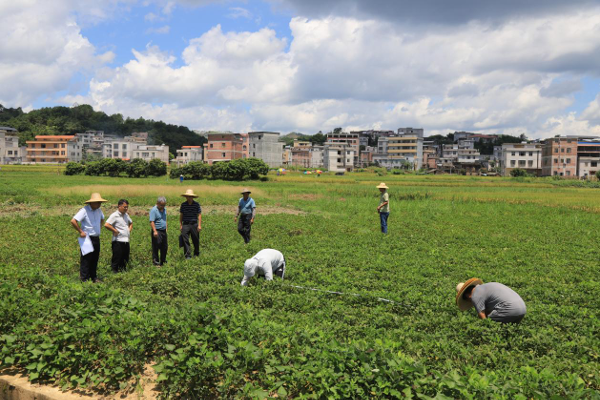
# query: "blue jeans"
{"points": [[383, 216]]}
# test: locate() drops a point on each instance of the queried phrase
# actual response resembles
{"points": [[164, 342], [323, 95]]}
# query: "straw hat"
{"points": [[463, 304], [382, 186], [245, 190], [96, 198], [189, 193], [250, 268]]}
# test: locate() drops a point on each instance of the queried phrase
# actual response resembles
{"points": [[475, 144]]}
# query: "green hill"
{"points": [[71, 120]]}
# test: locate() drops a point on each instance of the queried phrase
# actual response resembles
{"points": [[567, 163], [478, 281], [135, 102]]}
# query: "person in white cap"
{"points": [[267, 262], [384, 206], [491, 300], [91, 219], [246, 213]]}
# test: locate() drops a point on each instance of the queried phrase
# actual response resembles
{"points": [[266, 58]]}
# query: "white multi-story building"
{"points": [[10, 152], [75, 150], [339, 158], [396, 151], [267, 147], [148, 152], [189, 154], [527, 156]]}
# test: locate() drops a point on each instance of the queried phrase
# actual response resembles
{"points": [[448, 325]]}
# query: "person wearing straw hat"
{"points": [[246, 213], [190, 223], [491, 300], [88, 221], [384, 206], [266, 263]]}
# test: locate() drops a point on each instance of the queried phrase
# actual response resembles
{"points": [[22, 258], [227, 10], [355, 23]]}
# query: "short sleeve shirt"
{"points": [[159, 217], [246, 206], [382, 199], [190, 211], [121, 223], [499, 302], [89, 220]]}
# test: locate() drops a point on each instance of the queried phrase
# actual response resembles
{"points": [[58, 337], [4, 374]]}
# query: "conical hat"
{"points": [[382, 186], [189, 193], [463, 304], [96, 198], [245, 190]]}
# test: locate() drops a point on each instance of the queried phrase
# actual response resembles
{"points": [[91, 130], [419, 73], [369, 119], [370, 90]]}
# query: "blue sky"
{"points": [[308, 65]]}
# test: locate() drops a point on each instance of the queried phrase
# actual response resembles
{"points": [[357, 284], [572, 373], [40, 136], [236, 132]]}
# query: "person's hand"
{"points": [[155, 234], [199, 228], [180, 227], [252, 221], [116, 233], [82, 234], [234, 219]]}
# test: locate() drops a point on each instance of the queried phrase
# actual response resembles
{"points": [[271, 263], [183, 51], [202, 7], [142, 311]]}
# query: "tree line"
{"points": [[71, 120]]}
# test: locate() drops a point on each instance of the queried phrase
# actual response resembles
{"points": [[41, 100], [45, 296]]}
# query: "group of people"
{"points": [[89, 221], [491, 300]]}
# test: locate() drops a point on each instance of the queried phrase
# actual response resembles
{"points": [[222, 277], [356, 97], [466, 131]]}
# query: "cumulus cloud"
{"points": [[163, 30], [42, 49], [239, 12]]}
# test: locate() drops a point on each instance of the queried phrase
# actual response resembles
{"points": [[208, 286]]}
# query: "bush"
{"points": [[598, 175], [93, 168], [74, 168], [157, 167], [518, 172], [235, 170], [112, 166], [137, 168]]}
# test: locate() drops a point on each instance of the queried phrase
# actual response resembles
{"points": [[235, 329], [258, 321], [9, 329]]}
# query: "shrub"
{"points": [[74, 168], [137, 168], [93, 168], [157, 167], [598, 175], [518, 172], [112, 166]]}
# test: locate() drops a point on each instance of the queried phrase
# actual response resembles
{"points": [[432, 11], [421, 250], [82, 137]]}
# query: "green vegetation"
{"points": [[115, 167], [208, 337], [234, 170], [71, 120]]}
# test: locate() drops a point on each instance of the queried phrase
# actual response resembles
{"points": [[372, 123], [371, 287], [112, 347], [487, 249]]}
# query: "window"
{"points": [[222, 144], [568, 173], [568, 150], [512, 154], [339, 160], [594, 163], [10, 152], [522, 154], [43, 146], [531, 154], [211, 145], [530, 163], [556, 149], [521, 163], [115, 154], [62, 146], [56, 145], [569, 140], [555, 173], [586, 164], [562, 150], [145, 155], [253, 154], [124, 147], [556, 161], [253, 145], [223, 155], [62, 153], [339, 152], [568, 161], [115, 145], [513, 163], [72, 154]]}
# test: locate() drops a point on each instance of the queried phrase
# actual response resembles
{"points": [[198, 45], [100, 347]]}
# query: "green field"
{"points": [[208, 337]]}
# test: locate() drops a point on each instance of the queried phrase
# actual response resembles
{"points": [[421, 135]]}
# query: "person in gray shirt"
{"points": [[491, 300]]}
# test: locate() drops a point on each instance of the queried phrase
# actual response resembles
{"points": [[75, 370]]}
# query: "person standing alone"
{"points": [[91, 219], [384, 206], [246, 214], [158, 223], [120, 225], [190, 223]]}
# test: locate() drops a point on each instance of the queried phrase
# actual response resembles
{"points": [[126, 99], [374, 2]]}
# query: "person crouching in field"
{"points": [[91, 219], [190, 223], [267, 262], [384, 206], [246, 213], [120, 225], [491, 300], [158, 222]]}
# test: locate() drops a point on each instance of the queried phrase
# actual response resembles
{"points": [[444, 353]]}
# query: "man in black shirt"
{"points": [[190, 223]]}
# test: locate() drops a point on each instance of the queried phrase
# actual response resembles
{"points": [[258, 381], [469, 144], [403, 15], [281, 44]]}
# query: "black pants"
{"points": [[88, 264], [161, 244], [120, 256], [186, 231], [244, 226]]}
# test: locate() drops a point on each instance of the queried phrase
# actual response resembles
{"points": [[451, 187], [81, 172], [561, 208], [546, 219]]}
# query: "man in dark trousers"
{"points": [[190, 223], [120, 224], [246, 213], [158, 223], [91, 219]]}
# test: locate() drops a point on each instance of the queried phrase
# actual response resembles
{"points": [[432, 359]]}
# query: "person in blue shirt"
{"points": [[158, 223], [245, 215]]}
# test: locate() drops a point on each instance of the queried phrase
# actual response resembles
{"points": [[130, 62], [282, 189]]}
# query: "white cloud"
{"points": [[239, 12], [150, 17], [163, 30]]}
